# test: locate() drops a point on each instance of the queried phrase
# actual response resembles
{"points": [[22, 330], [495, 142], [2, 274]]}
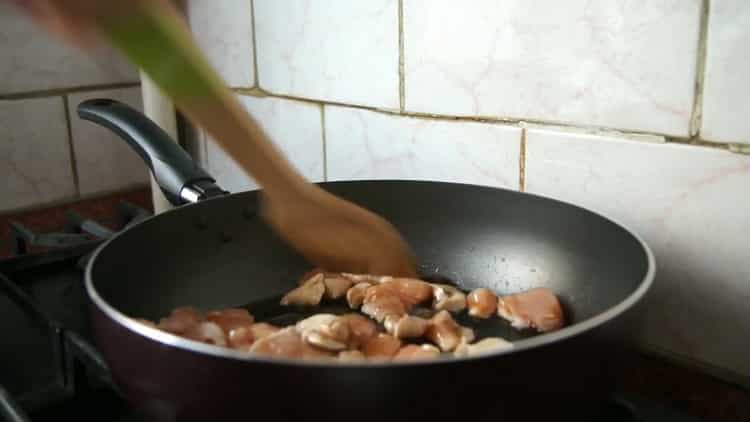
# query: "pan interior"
{"points": [[219, 253]]}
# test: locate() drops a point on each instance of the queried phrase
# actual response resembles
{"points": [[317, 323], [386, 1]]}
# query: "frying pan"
{"points": [[216, 252]]}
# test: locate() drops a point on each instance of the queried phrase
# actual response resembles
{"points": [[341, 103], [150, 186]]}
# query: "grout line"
{"points": [[71, 148], [69, 90], [522, 162], [255, 45], [696, 116], [631, 135], [401, 78], [325, 143]]}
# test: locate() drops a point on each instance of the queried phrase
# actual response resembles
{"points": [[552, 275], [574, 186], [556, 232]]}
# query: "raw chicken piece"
{"points": [[381, 347], [482, 303], [356, 295], [207, 332], [361, 329], [445, 332], [410, 290], [406, 326], [448, 298], [336, 286], [287, 343], [381, 301], [310, 274], [351, 356], [414, 352], [241, 338], [536, 308], [367, 278], [181, 320], [229, 319], [308, 294], [486, 345], [263, 329], [325, 331]]}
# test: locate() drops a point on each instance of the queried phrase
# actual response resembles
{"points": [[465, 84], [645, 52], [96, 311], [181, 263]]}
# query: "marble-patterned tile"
{"points": [[363, 144], [32, 60], [336, 50], [103, 160], [224, 32], [691, 206], [617, 63], [727, 88], [35, 164], [295, 127]]}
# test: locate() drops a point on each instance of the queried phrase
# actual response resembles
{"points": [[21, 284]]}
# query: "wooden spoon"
{"points": [[330, 232]]}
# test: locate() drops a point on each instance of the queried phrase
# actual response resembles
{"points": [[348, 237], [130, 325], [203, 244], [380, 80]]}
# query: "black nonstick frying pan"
{"points": [[217, 253]]}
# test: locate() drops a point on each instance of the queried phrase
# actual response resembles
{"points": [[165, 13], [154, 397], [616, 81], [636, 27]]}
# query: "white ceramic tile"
{"points": [[33, 60], [691, 206], [295, 127], [224, 32], [727, 86], [337, 50], [35, 165], [104, 161], [615, 63], [363, 144]]}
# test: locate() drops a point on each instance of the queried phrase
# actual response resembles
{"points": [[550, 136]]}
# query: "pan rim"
{"points": [[540, 340]]}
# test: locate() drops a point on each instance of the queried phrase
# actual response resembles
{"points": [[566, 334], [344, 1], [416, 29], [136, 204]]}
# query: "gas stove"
{"points": [[50, 368]]}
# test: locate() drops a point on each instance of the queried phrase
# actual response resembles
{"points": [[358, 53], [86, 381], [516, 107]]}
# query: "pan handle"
{"points": [[180, 178]]}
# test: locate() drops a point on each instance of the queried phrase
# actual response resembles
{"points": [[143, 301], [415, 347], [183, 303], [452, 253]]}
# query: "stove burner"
{"points": [[51, 362], [78, 231]]}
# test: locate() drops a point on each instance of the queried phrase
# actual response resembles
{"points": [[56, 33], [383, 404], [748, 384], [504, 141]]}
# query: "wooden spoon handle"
{"points": [[154, 37]]}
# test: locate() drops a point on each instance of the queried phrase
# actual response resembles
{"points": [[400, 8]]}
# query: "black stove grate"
{"points": [[48, 363]]}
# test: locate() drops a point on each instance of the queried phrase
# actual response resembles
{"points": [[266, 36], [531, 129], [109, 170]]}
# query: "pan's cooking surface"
{"points": [[219, 253]]}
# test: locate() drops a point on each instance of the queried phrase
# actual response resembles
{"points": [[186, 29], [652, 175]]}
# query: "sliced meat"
{"points": [[308, 294], [537, 308], [229, 319], [207, 332], [287, 343], [406, 326], [351, 356], [361, 329], [486, 345], [482, 303], [367, 278], [310, 274], [381, 347], [181, 320], [356, 295], [410, 290], [263, 329], [417, 352], [448, 298], [381, 301], [324, 331], [336, 285], [241, 338], [445, 332]]}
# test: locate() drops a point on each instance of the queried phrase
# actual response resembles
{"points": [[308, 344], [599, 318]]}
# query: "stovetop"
{"points": [[50, 368]]}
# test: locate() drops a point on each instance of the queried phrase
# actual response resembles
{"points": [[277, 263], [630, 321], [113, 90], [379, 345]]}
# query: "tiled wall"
{"points": [[635, 108], [47, 154]]}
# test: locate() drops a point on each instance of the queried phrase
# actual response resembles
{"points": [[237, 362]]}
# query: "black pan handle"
{"points": [[180, 178]]}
